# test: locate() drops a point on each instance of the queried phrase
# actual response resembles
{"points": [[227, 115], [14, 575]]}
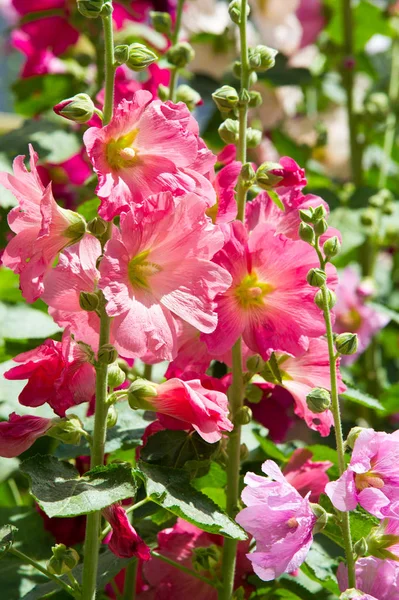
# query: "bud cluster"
{"points": [[136, 56]]}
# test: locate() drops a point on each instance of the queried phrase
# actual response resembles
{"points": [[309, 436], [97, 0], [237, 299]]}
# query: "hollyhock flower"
{"points": [[311, 17], [124, 540], [372, 477], [205, 16], [65, 177], [58, 372], [20, 432], [269, 287], [192, 353], [292, 175], [160, 272], [225, 209], [353, 314], [23, 8], [148, 147], [274, 411], [307, 476], [184, 404], [43, 228], [68, 531], [282, 546], [377, 578], [278, 24], [227, 155]]}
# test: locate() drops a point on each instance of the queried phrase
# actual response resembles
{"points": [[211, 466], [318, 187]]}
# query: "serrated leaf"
{"points": [[61, 492], [353, 395], [213, 484], [320, 567], [171, 489]]}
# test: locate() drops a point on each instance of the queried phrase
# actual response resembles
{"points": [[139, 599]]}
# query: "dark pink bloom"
{"points": [[377, 578], [23, 7], [124, 540], [192, 352], [307, 476], [274, 411], [227, 155], [58, 372], [310, 14], [282, 545], [68, 531], [225, 209], [292, 175], [66, 177], [20, 432]]}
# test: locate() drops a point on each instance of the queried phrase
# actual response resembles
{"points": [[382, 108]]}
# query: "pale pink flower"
{"points": [[279, 519], [58, 372], [43, 228], [372, 477], [378, 579], [269, 304], [148, 147], [311, 16], [225, 209], [20, 432], [192, 353], [124, 541], [161, 271], [307, 476]]}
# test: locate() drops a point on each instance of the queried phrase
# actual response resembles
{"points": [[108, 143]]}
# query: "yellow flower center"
{"points": [[251, 292], [140, 270], [121, 153], [212, 211], [351, 320], [367, 480]]}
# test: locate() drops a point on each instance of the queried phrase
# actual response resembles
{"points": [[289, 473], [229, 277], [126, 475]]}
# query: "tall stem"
{"points": [[92, 541], [236, 395], [27, 559], [174, 75], [129, 590]]}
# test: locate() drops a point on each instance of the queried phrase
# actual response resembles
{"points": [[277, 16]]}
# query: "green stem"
{"points": [[390, 126], [174, 74], [348, 78], [129, 590], [182, 568], [92, 542], [147, 372], [15, 492], [26, 559]]}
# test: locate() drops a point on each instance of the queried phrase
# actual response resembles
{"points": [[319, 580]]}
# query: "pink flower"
{"points": [[269, 303], [310, 14], [20, 432], [184, 404], [192, 352], [372, 478], [282, 545], [307, 476], [43, 228], [377, 578], [148, 147], [293, 176], [160, 272], [225, 209], [36, 5], [124, 540], [58, 372], [274, 411], [353, 314], [66, 178]]}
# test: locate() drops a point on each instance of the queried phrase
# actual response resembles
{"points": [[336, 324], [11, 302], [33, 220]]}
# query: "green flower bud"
{"points": [[206, 559], [255, 99], [316, 277], [262, 58], [7, 536], [244, 452], [97, 227], [319, 213], [332, 247], [112, 416], [306, 214], [235, 11], [140, 57], [77, 228], [319, 300], [388, 209], [321, 516], [320, 227], [116, 376], [225, 98], [266, 178], [306, 233], [68, 430], [346, 343], [229, 131], [161, 22], [360, 547], [163, 92], [188, 95], [318, 400], [368, 217], [88, 301], [353, 435], [139, 392], [180, 55], [107, 354], [121, 54], [255, 363], [351, 594], [253, 393], [244, 97], [244, 416], [253, 78], [63, 560], [79, 108], [247, 175], [94, 8], [254, 137]]}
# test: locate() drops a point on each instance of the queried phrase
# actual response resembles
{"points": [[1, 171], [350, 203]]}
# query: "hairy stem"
{"points": [[26, 559], [174, 75], [129, 590]]}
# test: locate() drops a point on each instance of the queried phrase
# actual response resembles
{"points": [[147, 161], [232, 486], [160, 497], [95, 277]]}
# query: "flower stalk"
{"points": [[174, 75]]}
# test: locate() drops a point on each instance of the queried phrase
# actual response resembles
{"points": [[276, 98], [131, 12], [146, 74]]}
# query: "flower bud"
{"points": [[180, 55], [112, 416], [140, 57], [332, 247], [94, 8], [247, 175], [360, 547], [368, 217], [320, 227], [138, 393], [243, 97], [79, 108], [253, 78], [161, 22], [255, 363], [352, 594], [63, 560], [266, 178], [253, 393], [319, 213], [121, 54], [346, 343], [163, 92], [318, 400], [255, 99], [188, 95], [116, 376], [254, 137], [243, 416], [88, 301], [244, 452], [353, 435], [321, 515], [107, 354], [306, 214], [316, 277], [77, 227], [382, 541], [262, 58], [306, 233], [206, 559], [229, 131], [319, 300], [68, 430], [225, 98], [235, 11], [97, 226]]}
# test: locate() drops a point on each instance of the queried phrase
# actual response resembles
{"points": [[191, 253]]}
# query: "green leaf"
{"points": [[41, 92], [361, 398], [70, 495], [276, 199], [320, 567], [89, 208], [9, 286], [19, 322], [324, 453], [171, 489], [270, 448], [361, 523], [7, 535], [368, 17], [213, 484], [390, 399]]}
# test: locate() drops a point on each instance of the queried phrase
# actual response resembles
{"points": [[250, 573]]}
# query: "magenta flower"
{"points": [[124, 541], [308, 477], [160, 272], [148, 147], [372, 478], [292, 176], [311, 16], [279, 519], [274, 411], [185, 405], [42, 228], [269, 303], [20, 432], [58, 372], [377, 578]]}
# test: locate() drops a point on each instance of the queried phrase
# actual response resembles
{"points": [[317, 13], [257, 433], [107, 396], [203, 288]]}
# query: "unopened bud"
{"points": [[331, 299], [247, 175], [353, 435], [320, 227], [140, 57], [235, 11], [316, 277], [306, 214], [163, 92], [244, 97], [255, 99], [262, 58], [254, 137], [382, 541], [180, 55], [63, 560], [321, 516], [255, 363], [244, 416], [161, 22], [107, 354], [206, 559], [188, 95], [306, 233], [244, 452], [68, 430], [253, 393], [97, 226], [229, 131], [79, 108], [253, 78], [94, 8], [352, 594], [368, 217], [139, 392], [266, 177], [225, 98], [88, 301], [318, 400], [121, 54], [116, 376], [332, 247], [112, 416], [319, 213], [346, 343], [360, 547]]}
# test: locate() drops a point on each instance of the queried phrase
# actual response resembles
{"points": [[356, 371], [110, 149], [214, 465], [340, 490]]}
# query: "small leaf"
{"points": [[359, 397], [276, 199], [21, 322], [61, 492], [7, 533], [361, 523], [270, 448], [390, 400]]}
